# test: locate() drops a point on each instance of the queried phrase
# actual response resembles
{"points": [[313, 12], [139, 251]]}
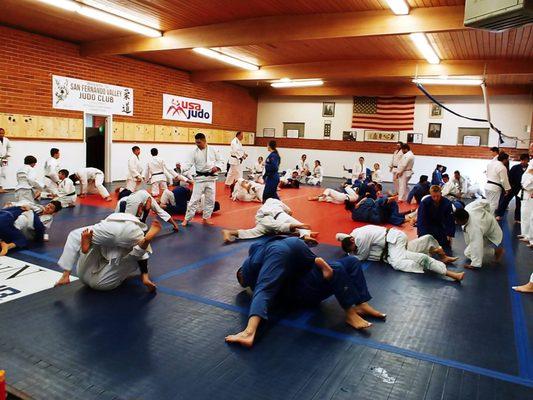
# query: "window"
{"points": [[293, 129]]}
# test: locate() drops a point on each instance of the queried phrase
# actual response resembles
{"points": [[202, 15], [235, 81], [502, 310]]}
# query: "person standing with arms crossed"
{"points": [[271, 176]]}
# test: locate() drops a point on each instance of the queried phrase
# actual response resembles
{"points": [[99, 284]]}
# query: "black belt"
{"points": [[49, 177], [198, 173], [71, 194], [385, 253], [497, 184], [158, 173], [278, 214], [394, 166]]}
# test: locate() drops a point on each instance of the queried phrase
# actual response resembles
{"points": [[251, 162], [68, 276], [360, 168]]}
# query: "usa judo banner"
{"points": [[93, 97], [19, 279], [184, 109]]}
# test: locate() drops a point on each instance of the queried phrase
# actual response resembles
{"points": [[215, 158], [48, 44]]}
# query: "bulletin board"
{"points": [[20, 126]]}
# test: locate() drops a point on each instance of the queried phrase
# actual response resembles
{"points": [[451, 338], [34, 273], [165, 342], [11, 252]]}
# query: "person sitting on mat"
{"points": [[109, 252], [435, 217], [273, 218], [381, 211], [480, 227], [390, 245], [247, 191], [290, 180], [21, 224], [279, 263], [420, 190]]}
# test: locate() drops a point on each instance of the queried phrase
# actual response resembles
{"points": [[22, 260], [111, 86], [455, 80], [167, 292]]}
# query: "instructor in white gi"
{"points": [[5, 153], [236, 157], [405, 171], [207, 164], [134, 179]]}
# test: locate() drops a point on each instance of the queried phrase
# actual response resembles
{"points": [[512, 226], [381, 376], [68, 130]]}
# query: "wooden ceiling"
{"points": [[292, 36]]}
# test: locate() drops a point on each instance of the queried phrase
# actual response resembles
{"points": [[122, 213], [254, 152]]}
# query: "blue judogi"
{"points": [[418, 191], [365, 189], [181, 196], [270, 263], [378, 212], [436, 219], [348, 285], [436, 178], [271, 176], [10, 234]]}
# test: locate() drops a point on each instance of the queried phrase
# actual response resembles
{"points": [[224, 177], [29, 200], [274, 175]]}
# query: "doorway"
{"points": [[98, 143]]}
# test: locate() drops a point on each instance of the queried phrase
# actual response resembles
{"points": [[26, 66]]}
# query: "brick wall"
{"points": [[28, 61], [377, 147]]}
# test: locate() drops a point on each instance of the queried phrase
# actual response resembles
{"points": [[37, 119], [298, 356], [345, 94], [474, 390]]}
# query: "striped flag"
{"points": [[384, 113]]}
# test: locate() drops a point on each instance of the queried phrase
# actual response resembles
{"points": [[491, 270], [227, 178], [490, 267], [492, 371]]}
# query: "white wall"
{"points": [[510, 113]]}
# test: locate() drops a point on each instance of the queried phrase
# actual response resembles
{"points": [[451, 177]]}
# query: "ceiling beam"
{"points": [[359, 69], [286, 28], [391, 90]]}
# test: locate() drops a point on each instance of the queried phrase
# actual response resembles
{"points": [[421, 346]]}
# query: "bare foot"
{"points": [[314, 234], [243, 338], [448, 259], [367, 309], [185, 223], [498, 254], [4, 248], [108, 198], [86, 240], [470, 266], [524, 239], [227, 236], [313, 198], [458, 276], [355, 321], [151, 286], [207, 221], [2, 190], [527, 288]]}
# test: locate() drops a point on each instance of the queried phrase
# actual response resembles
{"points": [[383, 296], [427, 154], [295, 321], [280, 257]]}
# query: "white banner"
{"points": [[184, 109], [92, 97]]}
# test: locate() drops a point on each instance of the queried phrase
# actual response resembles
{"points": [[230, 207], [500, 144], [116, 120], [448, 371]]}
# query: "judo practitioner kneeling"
{"points": [[109, 252], [276, 262], [377, 243]]}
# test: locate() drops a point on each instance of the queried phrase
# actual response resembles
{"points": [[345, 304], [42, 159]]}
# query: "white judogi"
{"points": [[51, 179], [27, 184], [481, 228], [25, 221], [156, 174], [402, 254], [393, 166], [335, 197], [376, 176], [235, 161], [113, 255], [257, 172], [240, 193], [271, 219], [302, 166], [203, 161], [317, 177], [526, 210], [496, 179], [405, 167], [5, 153], [66, 193], [450, 190], [134, 179], [287, 175], [358, 172], [134, 200], [92, 181]]}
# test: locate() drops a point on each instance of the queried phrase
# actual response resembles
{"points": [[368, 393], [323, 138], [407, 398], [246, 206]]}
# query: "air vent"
{"points": [[498, 15]]}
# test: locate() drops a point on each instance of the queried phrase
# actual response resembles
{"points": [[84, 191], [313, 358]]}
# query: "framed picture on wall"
{"points": [[435, 111], [382, 136], [434, 130], [414, 138], [328, 109], [327, 129], [349, 136], [269, 132]]}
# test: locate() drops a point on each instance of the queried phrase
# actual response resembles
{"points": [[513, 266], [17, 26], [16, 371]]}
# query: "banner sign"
{"points": [[184, 109], [20, 278], [92, 97]]}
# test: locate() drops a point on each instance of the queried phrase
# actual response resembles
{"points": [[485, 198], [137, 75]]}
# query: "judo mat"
{"points": [[441, 339]]}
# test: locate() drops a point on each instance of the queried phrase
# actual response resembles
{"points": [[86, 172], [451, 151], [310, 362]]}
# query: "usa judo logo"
{"points": [[187, 109]]}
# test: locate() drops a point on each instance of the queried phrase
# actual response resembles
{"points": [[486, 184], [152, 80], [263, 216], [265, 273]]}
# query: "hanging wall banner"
{"points": [[93, 97], [184, 109]]}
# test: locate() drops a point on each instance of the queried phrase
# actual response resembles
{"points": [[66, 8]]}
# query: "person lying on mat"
{"points": [[479, 226], [273, 218], [247, 191], [333, 196], [290, 180], [390, 245], [384, 210], [109, 252], [278, 266], [140, 203], [20, 225]]}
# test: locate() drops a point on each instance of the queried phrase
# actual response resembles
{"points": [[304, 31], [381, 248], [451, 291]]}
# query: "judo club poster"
{"points": [[184, 109], [19, 279], [91, 97]]}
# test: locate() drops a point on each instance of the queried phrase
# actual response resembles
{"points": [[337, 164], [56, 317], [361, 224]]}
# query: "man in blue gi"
{"points": [[420, 190], [274, 263], [384, 210], [435, 217]]}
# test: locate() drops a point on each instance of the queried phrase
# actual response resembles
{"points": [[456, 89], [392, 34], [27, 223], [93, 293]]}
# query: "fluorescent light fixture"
{"points": [[225, 58], [104, 16], [457, 81], [298, 83], [398, 7], [422, 43]]}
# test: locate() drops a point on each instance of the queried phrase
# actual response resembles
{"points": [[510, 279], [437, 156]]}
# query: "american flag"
{"points": [[383, 113]]}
